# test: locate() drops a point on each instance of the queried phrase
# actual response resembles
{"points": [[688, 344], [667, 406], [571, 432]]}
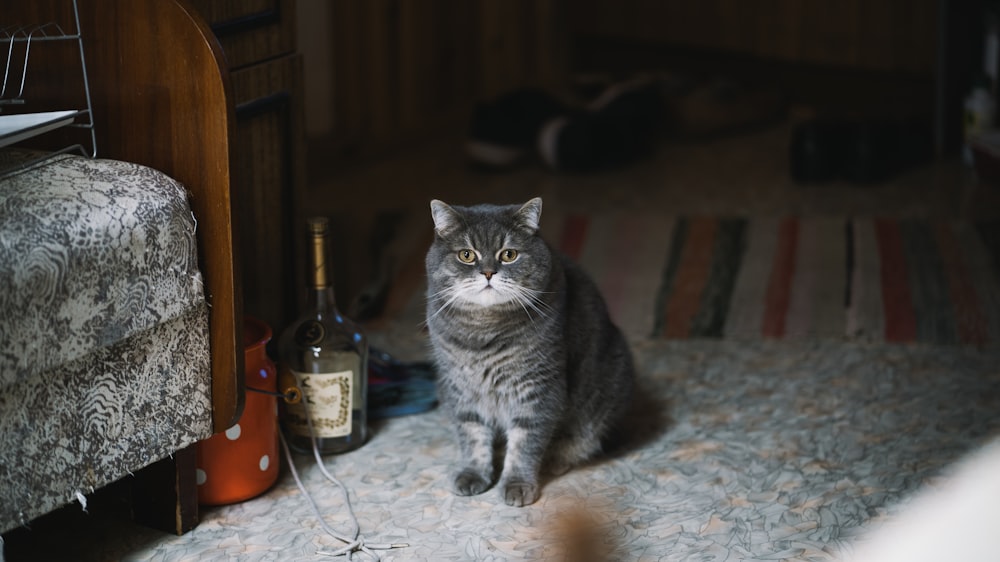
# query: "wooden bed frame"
{"points": [[161, 97]]}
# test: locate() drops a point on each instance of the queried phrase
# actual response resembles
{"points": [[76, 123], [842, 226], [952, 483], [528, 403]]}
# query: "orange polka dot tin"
{"points": [[242, 462]]}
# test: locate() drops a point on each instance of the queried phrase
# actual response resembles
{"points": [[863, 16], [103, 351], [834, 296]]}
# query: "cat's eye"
{"points": [[508, 255], [466, 256]]}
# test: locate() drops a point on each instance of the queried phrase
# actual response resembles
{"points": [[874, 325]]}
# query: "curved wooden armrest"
{"points": [[162, 97]]}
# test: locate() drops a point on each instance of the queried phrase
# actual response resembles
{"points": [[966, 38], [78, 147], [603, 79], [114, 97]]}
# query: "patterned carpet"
{"points": [[775, 450]]}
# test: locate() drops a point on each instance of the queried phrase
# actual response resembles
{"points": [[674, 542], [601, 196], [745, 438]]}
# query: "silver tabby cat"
{"points": [[525, 350]]}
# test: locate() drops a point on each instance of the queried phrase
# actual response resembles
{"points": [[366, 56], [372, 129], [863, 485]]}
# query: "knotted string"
{"points": [[352, 540]]}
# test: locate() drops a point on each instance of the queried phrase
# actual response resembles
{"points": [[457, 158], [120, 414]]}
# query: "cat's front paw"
{"points": [[469, 483], [519, 493]]}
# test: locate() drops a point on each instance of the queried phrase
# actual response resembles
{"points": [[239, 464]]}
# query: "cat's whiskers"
{"points": [[505, 291], [528, 298], [451, 293], [522, 302]]}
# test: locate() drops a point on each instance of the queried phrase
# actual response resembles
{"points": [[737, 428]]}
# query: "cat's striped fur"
{"points": [[525, 350]]}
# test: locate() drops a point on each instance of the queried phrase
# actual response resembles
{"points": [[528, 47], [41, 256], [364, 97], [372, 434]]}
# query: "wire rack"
{"points": [[17, 42]]}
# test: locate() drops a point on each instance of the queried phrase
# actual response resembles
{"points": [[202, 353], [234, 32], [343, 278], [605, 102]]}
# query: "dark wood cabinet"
{"points": [[258, 38]]}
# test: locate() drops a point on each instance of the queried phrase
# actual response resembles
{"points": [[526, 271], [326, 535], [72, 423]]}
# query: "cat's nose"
{"points": [[488, 274]]}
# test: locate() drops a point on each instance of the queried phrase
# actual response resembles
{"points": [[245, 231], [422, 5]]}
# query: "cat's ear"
{"points": [[445, 218], [530, 214]]}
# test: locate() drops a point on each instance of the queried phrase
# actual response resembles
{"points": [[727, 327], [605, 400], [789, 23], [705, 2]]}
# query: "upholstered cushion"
{"points": [[99, 418], [91, 252], [104, 340]]}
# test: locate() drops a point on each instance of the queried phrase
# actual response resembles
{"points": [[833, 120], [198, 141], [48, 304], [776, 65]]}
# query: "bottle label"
{"points": [[330, 399]]}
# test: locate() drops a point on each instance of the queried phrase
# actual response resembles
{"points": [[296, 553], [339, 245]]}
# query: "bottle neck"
{"points": [[321, 298], [320, 281]]}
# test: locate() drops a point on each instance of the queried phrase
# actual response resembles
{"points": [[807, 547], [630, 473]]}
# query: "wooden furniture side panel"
{"points": [[268, 153], [883, 35], [406, 69], [258, 37], [172, 109], [251, 31], [519, 45], [164, 495]]}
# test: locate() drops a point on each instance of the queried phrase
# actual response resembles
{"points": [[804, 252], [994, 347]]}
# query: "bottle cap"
{"points": [[318, 225]]}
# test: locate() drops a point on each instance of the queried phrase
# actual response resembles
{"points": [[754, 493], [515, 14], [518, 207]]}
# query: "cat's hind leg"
{"points": [[476, 472], [571, 448]]}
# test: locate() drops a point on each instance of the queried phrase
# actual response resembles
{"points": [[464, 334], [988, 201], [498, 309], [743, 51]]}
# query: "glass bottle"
{"points": [[324, 356]]}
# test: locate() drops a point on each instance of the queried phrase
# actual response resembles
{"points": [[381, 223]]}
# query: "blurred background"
{"points": [[380, 73], [379, 96]]}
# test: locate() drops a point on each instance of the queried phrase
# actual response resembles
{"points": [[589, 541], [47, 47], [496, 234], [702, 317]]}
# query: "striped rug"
{"points": [[866, 279], [792, 277]]}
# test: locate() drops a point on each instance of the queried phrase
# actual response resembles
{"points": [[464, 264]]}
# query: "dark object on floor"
{"points": [[618, 128], [986, 157], [698, 110], [398, 388], [862, 151], [504, 132], [818, 150], [597, 132]]}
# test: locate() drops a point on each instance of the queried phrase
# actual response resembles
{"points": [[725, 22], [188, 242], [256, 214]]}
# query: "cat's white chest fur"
{"points": [[486, 294]]}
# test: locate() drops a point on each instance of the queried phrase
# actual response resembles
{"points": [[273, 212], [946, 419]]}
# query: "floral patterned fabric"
{"points": [[104, 359], [92, 251]]}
